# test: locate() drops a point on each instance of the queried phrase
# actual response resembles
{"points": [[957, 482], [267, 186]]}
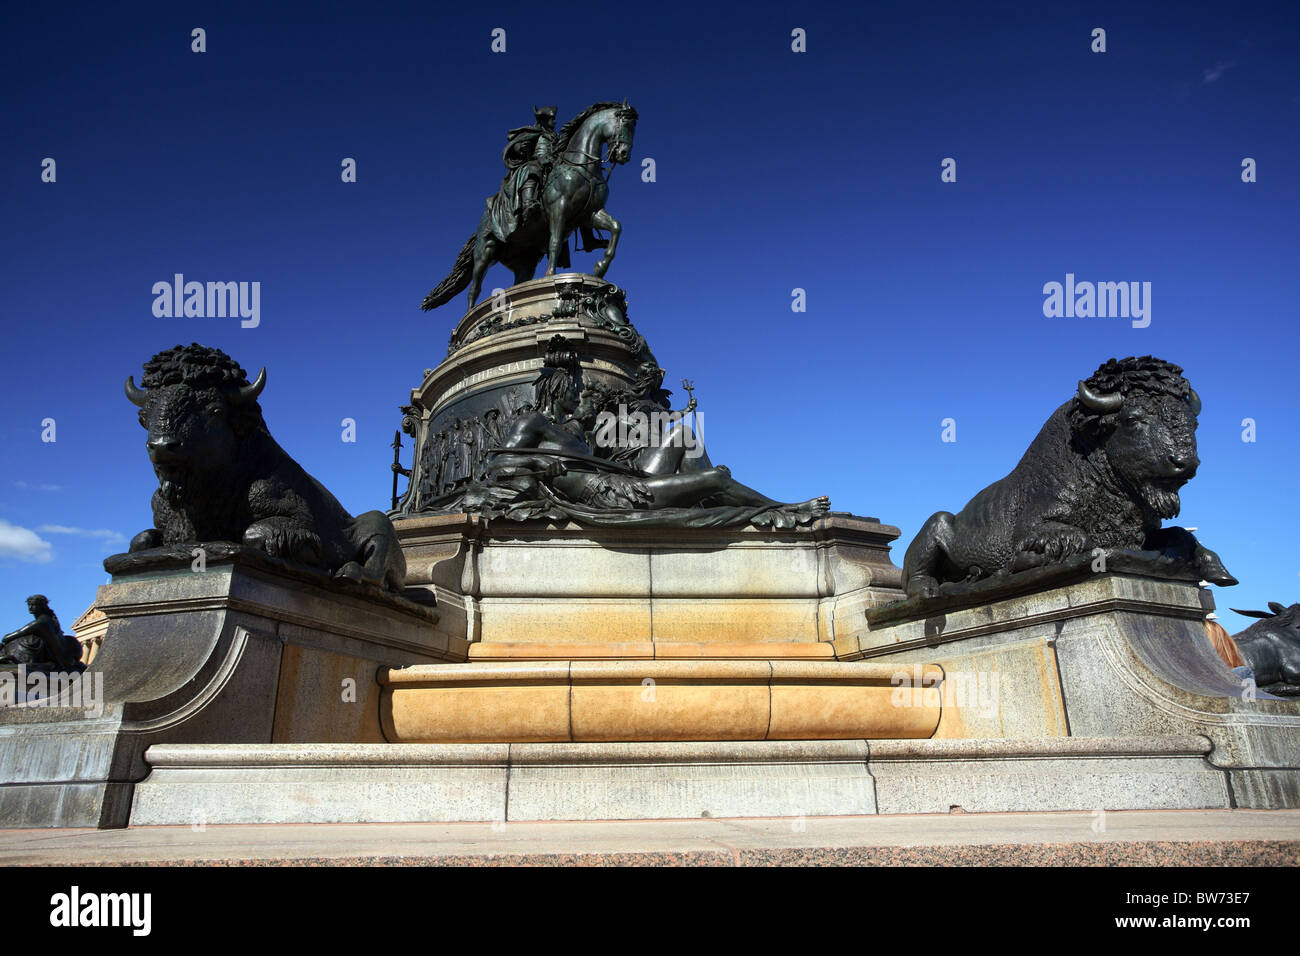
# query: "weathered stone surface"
{"points": [[245, 651], [1073, 773], [320, 783], [1265, 788], [1114, 655], [213, 784], [667, 781], [535, 582], [647, 650], [652, 700], [673, 780]]}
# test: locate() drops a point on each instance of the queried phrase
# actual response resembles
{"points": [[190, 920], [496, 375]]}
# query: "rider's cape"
{"points": [[503, 210], [521, 143]]}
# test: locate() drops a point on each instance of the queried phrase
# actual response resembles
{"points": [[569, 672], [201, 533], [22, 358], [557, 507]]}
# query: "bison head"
{"points": [[1142, 413], [198, 407]]}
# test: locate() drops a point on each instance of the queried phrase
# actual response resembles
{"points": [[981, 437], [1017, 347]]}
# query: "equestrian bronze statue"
{"points": [[556, 182]]}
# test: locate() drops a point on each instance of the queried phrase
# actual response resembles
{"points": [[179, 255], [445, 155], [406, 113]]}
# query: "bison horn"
{"points": [[249, 393], [1194, 400], [1104, 403], [136, 395], [1250, 613]]}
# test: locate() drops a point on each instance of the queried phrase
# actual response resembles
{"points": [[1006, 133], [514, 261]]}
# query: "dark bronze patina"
{"points": [[549, 464], [556, 182], [1103, 473], [40, 644], [1271, 648], [222, 477]]}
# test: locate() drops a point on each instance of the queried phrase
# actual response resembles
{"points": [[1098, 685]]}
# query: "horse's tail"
{"points": [[457, 280]]}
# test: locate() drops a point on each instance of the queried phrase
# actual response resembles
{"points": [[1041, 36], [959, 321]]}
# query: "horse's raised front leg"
{"points": [[601, 219]]}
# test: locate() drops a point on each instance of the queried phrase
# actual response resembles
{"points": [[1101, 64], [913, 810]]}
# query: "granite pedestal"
{"points": [[247, 650], [1094, 655], [510, 587]]}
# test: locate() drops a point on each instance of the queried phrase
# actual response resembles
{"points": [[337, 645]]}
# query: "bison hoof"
{"points": [[259, 538], [1211, 569], [1027, 561], [146, 539], [352, 571], [288, 544], [922, 587]]}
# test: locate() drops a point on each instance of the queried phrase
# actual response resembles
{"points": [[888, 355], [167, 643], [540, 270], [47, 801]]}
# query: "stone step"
{"points": [[656, 700], [388, 783], [651, 650]]}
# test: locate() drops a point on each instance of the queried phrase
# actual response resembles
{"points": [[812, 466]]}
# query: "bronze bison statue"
{"points": [[1104, 471], [222, 477], [1271, 648]]}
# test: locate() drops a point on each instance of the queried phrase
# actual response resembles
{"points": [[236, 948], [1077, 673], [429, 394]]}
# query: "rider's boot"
{"points": [[528, 204]]}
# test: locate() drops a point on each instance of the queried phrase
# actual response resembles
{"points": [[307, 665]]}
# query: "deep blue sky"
{"points": [[775, 170]]}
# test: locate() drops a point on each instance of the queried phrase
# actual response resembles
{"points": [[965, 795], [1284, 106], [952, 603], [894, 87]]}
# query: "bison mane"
{"points": [[1148, 375], [195, 365], [198, 367]]}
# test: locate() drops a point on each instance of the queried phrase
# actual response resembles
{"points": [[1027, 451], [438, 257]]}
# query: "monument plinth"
{"points": [[511, 588], [613, 584]]}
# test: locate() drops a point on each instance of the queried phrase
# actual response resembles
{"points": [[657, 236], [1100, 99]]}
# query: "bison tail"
{"points": [[456, 281]]}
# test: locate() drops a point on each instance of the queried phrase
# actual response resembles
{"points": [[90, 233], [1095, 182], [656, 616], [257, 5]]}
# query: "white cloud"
{"points": [[24, 544], [27, 486], [109, 537], [1213, 73]]}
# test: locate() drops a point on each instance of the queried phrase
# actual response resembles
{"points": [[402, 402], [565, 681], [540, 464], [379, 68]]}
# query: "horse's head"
{"points": [[620, 144], [599, 126]]}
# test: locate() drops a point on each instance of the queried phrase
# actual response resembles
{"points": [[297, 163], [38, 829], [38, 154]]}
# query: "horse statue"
{"points": [[573, 198]]}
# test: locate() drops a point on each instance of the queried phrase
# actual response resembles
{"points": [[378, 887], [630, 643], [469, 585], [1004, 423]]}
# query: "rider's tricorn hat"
{"points": [[547, 111]]}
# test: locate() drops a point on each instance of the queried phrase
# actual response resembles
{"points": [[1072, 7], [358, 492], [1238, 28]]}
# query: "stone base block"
{"points": [[332, 783], [320, 783], [535, 582], [675, 781], [1073, 773], [1095, 655], [306, 783], [1265, 789], [649, 651], [658, 700]]}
